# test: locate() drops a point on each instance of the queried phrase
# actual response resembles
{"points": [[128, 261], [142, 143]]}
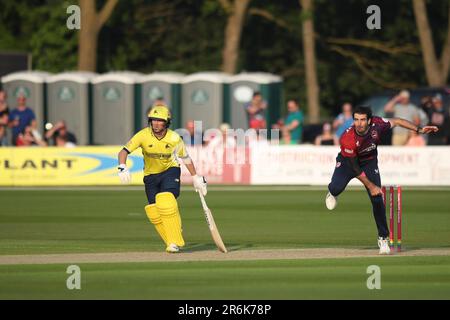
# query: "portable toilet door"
{"points": [[205, 97], [69, 99], [115, 96]]}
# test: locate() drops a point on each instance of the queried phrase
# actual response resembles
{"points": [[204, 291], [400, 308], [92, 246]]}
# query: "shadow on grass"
{"points": [[194, 247]]}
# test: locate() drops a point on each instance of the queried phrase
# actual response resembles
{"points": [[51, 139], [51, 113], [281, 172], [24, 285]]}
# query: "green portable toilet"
{"points": [[242, 87], [115, 97], [165, 86], [69, 99], [31, 84], [205, 97]]}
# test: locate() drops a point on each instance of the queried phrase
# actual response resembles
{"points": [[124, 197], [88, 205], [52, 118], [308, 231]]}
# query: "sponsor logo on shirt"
{"points": [[160, 156], [372, 146]]}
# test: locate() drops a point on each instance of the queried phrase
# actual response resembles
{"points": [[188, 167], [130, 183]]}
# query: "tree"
{"points": [[436, 69], [312, 87], [236, 16], [91, 24]]}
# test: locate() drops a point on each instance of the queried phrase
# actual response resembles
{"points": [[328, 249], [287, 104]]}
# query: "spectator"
{"points": [[159, 101], [4, 118], [256, 112], [3, 102], [195, 134], [293, 124], [426, 103], [20, 118], [61, 140], [344, 120], [3, 128], [439, 117], [60, 128], [327, 138], [225, 140], [401, 107], [30, 137], [416, 140]]}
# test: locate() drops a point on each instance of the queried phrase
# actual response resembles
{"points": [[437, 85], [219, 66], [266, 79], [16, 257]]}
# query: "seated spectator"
{"points": [[344, 120], [225, 140], [29, 137], [327, 138], [401, 107], [416, 140], [256, 112], [20, 118], [62, 141], [3, 101], [3, 128], [4, 119], [439, 117], [59, 128]]}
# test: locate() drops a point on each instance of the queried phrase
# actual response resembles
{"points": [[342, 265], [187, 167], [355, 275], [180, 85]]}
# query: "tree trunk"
{"points": [[310, 61], [233, 32], [91, 23], [436, 71], [426, 42]]}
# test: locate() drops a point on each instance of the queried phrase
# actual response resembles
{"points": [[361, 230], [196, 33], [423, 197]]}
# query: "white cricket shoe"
{"points": [[383, 244], [330, 201], [172, 248]]}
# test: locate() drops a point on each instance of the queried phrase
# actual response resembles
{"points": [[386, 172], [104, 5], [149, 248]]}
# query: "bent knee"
{"points": [[335, 189]]}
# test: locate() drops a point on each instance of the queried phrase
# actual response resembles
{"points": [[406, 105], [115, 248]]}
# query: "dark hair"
{"points": [[363, 110], [256, 93]]}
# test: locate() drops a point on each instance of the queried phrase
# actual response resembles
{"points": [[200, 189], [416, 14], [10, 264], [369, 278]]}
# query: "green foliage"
{"points": [[40, 27], [188, 36]]}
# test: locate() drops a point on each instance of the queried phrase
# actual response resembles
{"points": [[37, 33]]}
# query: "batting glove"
{"points": [[200, 184], [124, 174]]}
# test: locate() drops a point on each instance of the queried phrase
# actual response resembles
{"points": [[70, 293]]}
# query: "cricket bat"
{"points": [[212, 226]]}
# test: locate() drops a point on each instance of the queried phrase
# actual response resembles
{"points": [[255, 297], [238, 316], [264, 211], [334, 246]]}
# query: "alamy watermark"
{"points": [[374, 20], [227, 145], [74, 280], [74, 20], [374, 280]]}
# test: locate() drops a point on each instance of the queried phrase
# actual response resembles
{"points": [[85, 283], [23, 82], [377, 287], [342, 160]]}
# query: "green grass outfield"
{"points": [[113, 220]]}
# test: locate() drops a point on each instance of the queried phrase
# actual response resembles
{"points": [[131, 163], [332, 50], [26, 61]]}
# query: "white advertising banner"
{"points": [[313, 165]]}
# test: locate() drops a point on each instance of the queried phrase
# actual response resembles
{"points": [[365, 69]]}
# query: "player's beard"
{"points": [[362, 130]]}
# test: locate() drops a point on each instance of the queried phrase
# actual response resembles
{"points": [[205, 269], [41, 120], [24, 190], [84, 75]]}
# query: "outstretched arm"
{"points": [[411, 126]]}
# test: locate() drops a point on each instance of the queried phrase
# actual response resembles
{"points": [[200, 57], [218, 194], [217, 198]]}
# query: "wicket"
{"points": [[392, 214]]}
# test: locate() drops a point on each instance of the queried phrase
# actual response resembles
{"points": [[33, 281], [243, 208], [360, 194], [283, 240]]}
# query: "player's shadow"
{"points": [[195, 247]]}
